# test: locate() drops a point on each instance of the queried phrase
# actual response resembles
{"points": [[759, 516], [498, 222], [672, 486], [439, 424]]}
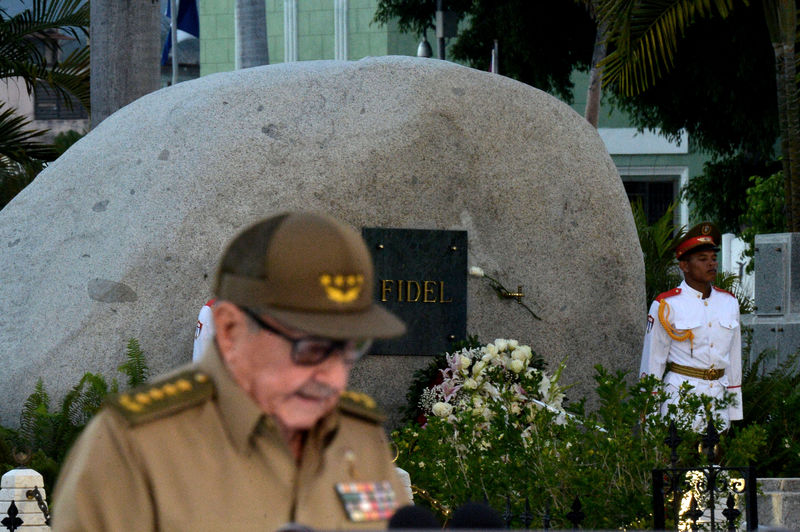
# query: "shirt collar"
{"points": [[238, 412], [688, 290]]}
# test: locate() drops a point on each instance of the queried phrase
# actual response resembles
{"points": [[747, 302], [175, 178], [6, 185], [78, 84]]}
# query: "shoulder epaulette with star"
{"points": [[668, 293], [723, 291], [163, 397], [361, 405]]}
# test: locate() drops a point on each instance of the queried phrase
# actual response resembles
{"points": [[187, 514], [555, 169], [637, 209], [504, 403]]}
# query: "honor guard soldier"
{"points": [[261, 432], [203, 331], [693, 333]]}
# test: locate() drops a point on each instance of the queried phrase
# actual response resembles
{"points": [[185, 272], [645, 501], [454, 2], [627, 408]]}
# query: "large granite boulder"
{"points": [[120, 236]]}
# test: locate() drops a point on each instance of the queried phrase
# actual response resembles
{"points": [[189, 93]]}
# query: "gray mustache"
{"points": [[317, 390]]}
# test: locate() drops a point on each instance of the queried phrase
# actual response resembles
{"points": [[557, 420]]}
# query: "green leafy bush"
{"points": [[496, 429], [658, 242], [771, 400], [764, 212], [47, 434]]}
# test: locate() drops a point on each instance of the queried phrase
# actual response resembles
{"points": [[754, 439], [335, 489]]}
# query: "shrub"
{"points": [[47, 434], [496, 430]]}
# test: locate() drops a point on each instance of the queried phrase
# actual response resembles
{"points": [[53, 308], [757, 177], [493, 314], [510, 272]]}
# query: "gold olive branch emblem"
{"points": [[342, 288]]}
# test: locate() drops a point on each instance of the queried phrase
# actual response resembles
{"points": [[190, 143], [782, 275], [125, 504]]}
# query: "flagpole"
{"points": [[173, 25]]}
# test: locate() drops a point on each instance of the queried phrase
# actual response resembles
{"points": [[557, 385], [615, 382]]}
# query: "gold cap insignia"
{"points": [[705, 229], [342, 288]]}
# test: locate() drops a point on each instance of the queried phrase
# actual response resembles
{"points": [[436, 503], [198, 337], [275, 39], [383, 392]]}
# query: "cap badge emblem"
{"points": [[342, 288], [705, 229]]}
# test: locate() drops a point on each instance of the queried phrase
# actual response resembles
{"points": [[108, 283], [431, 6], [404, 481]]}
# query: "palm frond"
{"points": [[733, 284], [69, 78], [643, 37], [43, 17], [26, 36], [658, 242], [18, 142]]}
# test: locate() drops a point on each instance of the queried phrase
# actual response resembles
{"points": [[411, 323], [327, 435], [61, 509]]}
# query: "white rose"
{"points": [[491, 349], [475, 271], [527, 350], [516, 365], [465, 361], [513, 344], [501, 344], [442, 409], [470, 384], [519, 354]]}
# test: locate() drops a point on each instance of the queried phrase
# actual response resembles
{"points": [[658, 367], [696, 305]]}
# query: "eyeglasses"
{"points": [[311, 350]]}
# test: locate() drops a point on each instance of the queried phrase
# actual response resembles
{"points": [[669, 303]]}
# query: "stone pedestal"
{"points": [[119, 238], [14, 487], [779, 506], [776, 320]]}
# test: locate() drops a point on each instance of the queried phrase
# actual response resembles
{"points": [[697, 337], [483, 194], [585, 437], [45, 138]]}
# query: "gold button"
{"points": [[143, 398], [170, 389], [712, 345], [184, 385], [201, 378], [705, 303], [126, 401], [709, 324], [156, 394]]}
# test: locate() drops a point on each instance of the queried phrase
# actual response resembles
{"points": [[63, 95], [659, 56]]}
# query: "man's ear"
{"points": [[228, 325], [683, 265]]}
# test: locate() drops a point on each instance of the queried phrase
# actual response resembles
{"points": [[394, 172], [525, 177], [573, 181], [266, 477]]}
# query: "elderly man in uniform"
{"points": [[693, 332], [261, 432]]}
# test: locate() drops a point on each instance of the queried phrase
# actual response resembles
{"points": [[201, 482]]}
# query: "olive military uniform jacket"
{"points": [[193, 452]]}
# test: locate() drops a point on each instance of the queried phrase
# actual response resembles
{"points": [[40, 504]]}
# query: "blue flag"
{"points": [[188, 21]]}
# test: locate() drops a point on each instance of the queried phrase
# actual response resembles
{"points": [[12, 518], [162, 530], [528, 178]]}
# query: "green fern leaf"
{"points": [[135, 367]]}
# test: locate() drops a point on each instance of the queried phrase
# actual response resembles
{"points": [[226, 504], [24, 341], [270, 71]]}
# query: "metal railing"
{"points": [[692, 497]]}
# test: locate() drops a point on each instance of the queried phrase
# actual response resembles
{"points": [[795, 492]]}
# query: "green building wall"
{"points": [[315, 29]]}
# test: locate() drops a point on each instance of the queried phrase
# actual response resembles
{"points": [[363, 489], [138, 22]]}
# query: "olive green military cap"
{"points": [[309, 271]]}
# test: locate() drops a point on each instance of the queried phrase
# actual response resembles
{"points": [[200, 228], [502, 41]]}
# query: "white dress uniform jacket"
{"points": [[717, 344], [204, 330]]}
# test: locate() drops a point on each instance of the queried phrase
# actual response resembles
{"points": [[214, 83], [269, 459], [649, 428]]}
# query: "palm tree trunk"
{"points": [[781, 16], [125, 53], [251, 33], [594, 92], [793, 131]]}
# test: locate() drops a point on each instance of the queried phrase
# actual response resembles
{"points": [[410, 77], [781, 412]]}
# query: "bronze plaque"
{"points": [[421, 276]]}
